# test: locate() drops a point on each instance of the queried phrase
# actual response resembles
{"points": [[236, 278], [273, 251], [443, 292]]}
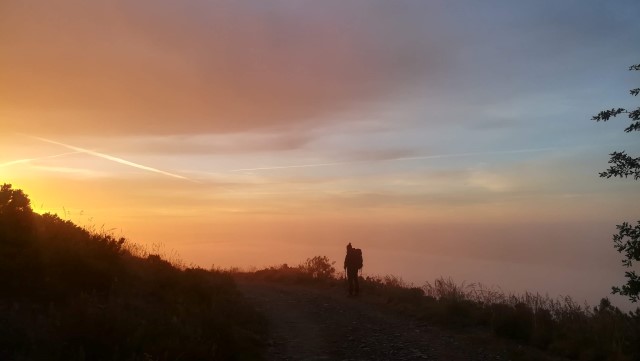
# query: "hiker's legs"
{"points": [[356, 286], [352, 276]]}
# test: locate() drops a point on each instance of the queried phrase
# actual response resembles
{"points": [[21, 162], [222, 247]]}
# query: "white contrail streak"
{"points": [[434, 156], [28, 160], [292, 166], [458, 155], [112, 158]]}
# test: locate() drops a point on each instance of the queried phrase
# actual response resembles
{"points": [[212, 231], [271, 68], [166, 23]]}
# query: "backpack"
{"points": [[357, 257]]}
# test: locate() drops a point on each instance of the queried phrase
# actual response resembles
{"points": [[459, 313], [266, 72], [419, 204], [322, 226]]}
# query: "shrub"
{"points": [[319, 267]]}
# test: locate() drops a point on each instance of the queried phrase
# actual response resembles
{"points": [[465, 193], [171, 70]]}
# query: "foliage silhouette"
{"points": [[627, 240], [319, 267], [16, 215], [71, 294]]}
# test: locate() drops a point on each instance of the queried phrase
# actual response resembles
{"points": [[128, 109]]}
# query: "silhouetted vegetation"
{"points": [[315, 270], [557, 326], [627, 240], [71, 294]]}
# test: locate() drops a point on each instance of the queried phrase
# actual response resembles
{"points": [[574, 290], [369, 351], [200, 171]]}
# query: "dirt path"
{"points": [[310, 324]]}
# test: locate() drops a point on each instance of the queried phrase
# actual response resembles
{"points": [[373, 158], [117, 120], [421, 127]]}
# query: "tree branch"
{"points": [[623, 166], [607, 114]]}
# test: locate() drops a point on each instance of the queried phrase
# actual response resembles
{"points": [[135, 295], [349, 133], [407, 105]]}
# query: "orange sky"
{"points": [[444, 139]]}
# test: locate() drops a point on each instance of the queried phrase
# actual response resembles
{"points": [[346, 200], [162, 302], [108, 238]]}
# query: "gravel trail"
{"points": [[314, 324]]}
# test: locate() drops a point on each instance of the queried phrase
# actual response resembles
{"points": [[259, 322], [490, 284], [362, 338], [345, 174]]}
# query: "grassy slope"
{"points": [[70, 294]]}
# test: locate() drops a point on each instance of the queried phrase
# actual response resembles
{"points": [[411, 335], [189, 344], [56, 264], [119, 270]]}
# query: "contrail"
{"points": [[27, 160], [112, 158], [458, 155], [293, 166], [419, 157]]}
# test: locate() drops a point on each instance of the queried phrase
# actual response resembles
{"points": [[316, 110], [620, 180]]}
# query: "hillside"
{"points": [[71, 294]]}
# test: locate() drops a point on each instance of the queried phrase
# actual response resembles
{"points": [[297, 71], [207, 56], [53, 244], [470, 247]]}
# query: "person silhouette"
{"points": [[352, 263]]}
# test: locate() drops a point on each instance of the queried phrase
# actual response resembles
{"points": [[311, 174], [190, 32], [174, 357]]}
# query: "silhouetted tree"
{"points": [[627, 240], [13, 200], [16, 216]]}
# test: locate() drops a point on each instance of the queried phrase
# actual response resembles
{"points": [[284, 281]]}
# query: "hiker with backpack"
{"points": [[352, 264]]}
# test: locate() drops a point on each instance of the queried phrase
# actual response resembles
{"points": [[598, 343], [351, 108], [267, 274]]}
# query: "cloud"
{"points": [[210, 144], [81, 172], [381, 154], [29, 160], [164, 67]]}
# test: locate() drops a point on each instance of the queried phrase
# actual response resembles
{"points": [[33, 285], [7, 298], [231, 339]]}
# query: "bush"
{"points": [[319, 267], [514, 322]]}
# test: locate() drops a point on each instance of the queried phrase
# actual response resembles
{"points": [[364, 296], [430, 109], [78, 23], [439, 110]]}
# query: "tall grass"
{"points": [[559, 325]]}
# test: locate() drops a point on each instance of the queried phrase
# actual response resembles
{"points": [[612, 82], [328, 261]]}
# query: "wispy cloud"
{"points": [[112, 158], [70, 170], [420, 157], [29, 160]]}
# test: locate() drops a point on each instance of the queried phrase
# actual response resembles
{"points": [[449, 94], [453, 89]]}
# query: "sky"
{"points": [[444, 138]]}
